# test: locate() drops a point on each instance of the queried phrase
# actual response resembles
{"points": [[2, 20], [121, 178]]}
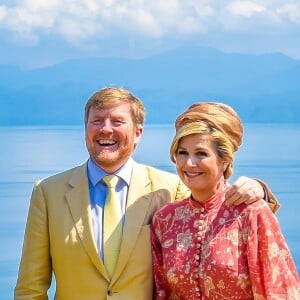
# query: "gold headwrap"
{"points": [[202, 116], [186, 129]]}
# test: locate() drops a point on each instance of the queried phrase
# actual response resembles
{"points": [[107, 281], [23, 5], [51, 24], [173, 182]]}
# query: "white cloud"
{"points": [[245, 8], [99, 18], [3, 12], [291, 11], [88, 23]]}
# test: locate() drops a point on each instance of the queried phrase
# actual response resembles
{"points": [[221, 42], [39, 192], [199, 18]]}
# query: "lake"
{"points": [[270, 152]]}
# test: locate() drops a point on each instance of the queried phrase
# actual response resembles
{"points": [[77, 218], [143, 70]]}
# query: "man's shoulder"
{"points": [[160, 180], [156, 174], [153, 170], [63, 176]]}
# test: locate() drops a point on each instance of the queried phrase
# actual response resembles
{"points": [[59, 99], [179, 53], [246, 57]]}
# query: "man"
{"points": [[65, 226]]}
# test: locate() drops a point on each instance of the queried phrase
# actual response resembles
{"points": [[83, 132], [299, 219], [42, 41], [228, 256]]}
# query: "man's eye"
{"points": [[97, 122], [118, 122]]}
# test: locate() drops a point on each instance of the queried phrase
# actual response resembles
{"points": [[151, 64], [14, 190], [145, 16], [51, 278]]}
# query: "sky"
{"points": [[37, 33]]}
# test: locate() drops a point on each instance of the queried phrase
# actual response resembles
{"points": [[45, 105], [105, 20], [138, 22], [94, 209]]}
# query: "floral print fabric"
{"points": [[213, 251]]}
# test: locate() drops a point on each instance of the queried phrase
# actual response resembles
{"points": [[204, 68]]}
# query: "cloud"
{"points": [[245, 8], [80, 20], [93, 24], [3, 12], [84, 19], [291, 11]]}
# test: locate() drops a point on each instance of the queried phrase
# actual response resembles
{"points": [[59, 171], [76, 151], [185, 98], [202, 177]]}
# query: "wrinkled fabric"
{"points": [[212, 251]]}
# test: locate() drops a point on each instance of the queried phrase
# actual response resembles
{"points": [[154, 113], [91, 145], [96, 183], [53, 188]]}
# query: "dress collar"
{"points": [[211, 202]]}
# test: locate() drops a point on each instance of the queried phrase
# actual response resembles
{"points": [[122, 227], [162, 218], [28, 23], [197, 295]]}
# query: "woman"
{"points": [[203, 249]]}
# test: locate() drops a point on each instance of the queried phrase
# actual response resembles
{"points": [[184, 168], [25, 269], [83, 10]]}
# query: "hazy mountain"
{"points": [[262, 88]]}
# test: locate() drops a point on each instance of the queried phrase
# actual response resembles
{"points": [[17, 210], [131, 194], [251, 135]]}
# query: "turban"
{"points": [[217, 116]]}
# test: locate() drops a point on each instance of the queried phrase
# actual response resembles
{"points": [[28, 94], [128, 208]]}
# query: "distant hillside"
{"points": [[262, 88]]}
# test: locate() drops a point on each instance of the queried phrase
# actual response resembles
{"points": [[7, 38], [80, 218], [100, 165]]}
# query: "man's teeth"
{"points": [[106, 142]]}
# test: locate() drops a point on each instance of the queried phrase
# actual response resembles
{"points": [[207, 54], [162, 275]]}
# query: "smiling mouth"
{"points": [[192, 174], [107, 143]]}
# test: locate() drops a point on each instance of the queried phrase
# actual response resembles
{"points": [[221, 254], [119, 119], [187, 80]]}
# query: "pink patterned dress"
{"points": [[213, 251]]}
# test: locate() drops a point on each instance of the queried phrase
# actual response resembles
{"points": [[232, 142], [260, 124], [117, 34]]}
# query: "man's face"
{"points": [[111, 136]]}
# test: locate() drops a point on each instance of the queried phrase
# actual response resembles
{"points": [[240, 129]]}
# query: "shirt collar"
{"points": [[95, 173]]}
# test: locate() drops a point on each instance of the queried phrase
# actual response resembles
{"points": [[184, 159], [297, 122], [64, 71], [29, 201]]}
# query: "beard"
{"points": [[110, 161]]}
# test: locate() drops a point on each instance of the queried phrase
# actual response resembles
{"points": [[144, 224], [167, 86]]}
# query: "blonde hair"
{"points": [[109, 97], [217, 120]]}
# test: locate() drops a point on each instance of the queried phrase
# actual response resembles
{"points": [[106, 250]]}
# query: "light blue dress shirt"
{"points": [[98, 191]]}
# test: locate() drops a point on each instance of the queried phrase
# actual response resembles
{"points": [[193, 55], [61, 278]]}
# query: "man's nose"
{"points": [[107, 126]]}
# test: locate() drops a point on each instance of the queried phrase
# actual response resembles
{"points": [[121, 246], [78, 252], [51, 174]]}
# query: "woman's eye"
{"points": [[201, 153], [182, 152]]}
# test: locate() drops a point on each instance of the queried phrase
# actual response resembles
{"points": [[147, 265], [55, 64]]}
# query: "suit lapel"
{"points": [[79, 204], [137, 208]]}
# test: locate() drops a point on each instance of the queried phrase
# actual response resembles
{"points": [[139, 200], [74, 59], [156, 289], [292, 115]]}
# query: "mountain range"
{"points": [[262, 88]]}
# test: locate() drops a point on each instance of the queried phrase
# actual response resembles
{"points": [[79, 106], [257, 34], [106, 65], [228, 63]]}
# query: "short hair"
{"points": [[109, 97]]}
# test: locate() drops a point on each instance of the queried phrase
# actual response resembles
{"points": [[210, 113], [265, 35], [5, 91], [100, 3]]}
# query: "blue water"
{"points": [[269, 152]]}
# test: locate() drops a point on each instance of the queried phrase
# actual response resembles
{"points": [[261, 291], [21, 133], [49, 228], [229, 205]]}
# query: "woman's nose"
{"points": [[190, 161]]}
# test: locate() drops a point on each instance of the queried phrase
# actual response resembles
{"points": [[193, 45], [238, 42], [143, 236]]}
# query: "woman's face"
{"points": [[199, 166]]}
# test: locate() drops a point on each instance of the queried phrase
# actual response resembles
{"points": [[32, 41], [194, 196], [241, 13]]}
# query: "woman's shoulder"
{"points": [[257, 205], [255, 210]]}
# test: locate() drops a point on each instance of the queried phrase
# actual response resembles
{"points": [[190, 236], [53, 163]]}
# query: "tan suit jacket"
{"points": [[59, 238]]}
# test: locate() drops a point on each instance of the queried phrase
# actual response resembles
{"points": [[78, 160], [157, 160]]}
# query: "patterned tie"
{"points": [[112, 224]]}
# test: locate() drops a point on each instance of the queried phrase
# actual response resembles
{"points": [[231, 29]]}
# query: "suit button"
{"points": [[110, 292]]}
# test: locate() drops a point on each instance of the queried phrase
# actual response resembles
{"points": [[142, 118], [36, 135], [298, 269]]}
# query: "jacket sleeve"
{"points": [[35, 270], [161, 291], [272, 269], [269, 196]]}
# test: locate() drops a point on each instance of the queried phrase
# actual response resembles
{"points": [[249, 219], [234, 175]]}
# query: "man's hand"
{"points": [[244, 190]]}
